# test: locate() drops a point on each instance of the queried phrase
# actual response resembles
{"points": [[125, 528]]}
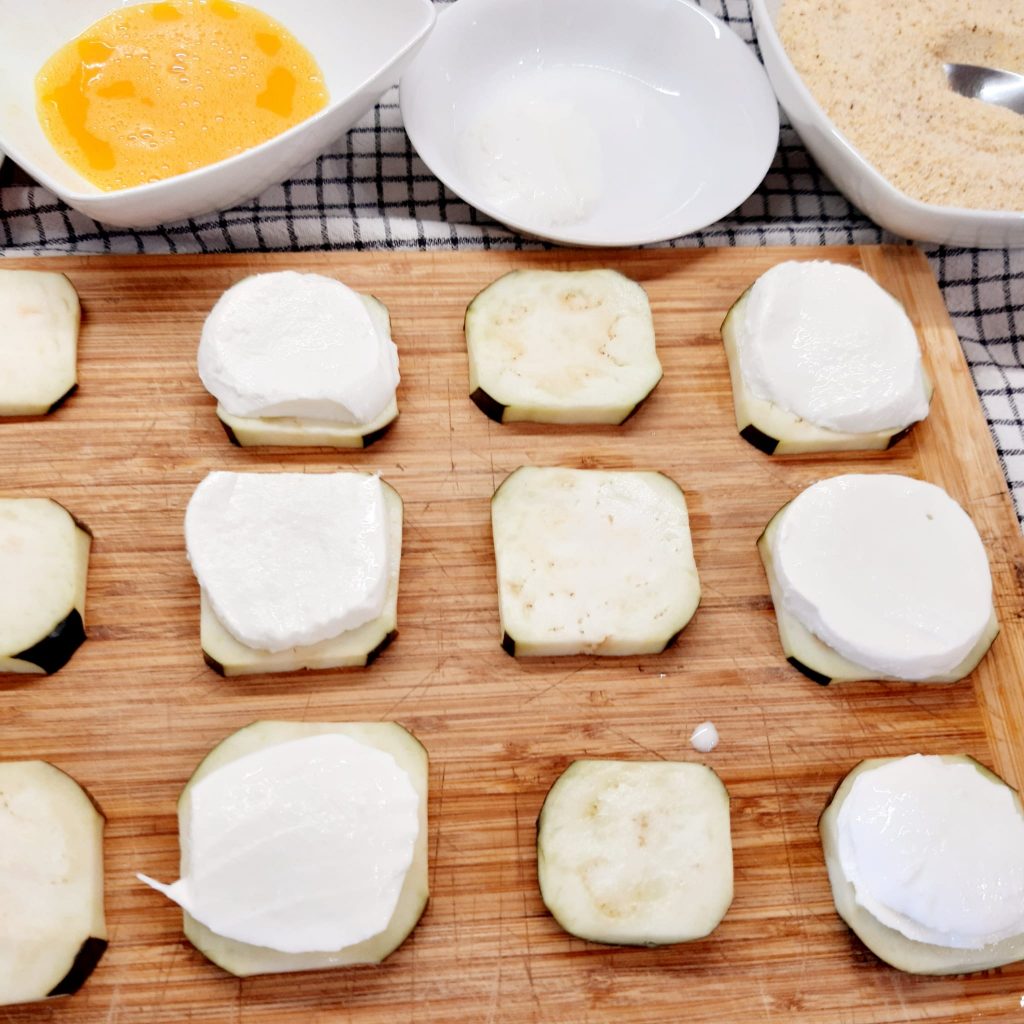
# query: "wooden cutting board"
{"points": [[136, 708]]}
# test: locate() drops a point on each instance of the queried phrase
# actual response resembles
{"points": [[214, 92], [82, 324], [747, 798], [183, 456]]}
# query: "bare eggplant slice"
{"points": [[242, 959], [44, 561], [39, 320], [775, 431], [592, 562], [552, 346], [886, 943], [351, 649], [52, 930], [256, 431], [636, 853], [821, 663]]}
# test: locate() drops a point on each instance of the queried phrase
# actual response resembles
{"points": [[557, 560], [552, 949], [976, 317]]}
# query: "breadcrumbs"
{"points": [[876, 68]]}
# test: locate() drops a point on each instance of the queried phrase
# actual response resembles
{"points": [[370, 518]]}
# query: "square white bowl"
{"points": [[857, 179], [361, 47]]}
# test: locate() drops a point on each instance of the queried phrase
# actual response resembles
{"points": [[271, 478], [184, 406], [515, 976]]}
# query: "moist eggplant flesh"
{"points": [[52, 931], [886, 943], [776, 431], [251, 431], [242, 959], [51, 627], [820, 662], [636, 853], [584, 373], [548, 595], [39, 323], [353, 648]]}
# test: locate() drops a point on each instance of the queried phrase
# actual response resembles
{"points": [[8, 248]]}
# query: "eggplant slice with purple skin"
{"points": [[43, 568], [886, 943], [775, 431], [53, 932], [552, 346]]}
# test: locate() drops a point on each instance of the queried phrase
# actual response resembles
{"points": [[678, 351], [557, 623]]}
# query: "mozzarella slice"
{"points": [[44, 559], [561, 347], [637, 853], [297, 345], [826, 343], [301, 846], [935, 850], [289, 559], [39, 319], [888, 571], [592, 562]]}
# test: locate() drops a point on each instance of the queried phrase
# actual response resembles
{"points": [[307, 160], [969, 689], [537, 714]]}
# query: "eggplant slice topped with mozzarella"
{"points": [[370, 850]]}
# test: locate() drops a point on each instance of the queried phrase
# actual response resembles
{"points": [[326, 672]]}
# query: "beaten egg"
{"points": [[158, 89]]}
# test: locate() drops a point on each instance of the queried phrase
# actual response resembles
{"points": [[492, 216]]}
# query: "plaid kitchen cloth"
{"points": [[373, 192]]}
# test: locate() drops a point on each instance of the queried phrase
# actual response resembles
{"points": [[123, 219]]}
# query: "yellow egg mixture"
{"points": [[158, 89]]}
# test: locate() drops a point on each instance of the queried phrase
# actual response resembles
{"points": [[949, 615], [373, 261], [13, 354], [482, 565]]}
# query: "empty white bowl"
{"points": [[591, 122], [360, 45], [858, 180]]}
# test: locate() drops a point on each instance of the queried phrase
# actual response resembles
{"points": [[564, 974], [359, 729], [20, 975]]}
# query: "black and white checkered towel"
{"points": [[372, 191]]}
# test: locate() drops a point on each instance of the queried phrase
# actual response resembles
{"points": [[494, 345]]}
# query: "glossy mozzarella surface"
{"points": [[827, 343], [887, 570], [935, 850], [300, 847]]}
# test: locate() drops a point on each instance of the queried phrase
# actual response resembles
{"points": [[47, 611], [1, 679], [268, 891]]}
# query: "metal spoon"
{"points": [[990, 85]]}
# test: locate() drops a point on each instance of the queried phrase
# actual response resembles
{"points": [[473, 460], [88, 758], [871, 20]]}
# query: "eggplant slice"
{"points": [[636, 853], [51, 843], [43, 569], [39, 321], [552, 346], [592, 562]]}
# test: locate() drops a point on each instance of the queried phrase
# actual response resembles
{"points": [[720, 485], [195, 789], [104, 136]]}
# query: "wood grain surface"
{"points": [[136, 708]]}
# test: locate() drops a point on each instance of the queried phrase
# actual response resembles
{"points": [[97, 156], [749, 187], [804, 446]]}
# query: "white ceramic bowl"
{"points": [[856, 178], [361, 46], [674, 108]]}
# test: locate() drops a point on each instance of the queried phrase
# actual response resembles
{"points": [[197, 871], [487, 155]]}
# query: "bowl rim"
{"points": [[568, 237], [106, 197], [764, 25]]}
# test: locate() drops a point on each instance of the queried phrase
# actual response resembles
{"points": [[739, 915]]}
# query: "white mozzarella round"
{"points": [[887, 570], [302, 345], [827, 343], [301, 847], [289, 559], [935, 850]]}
